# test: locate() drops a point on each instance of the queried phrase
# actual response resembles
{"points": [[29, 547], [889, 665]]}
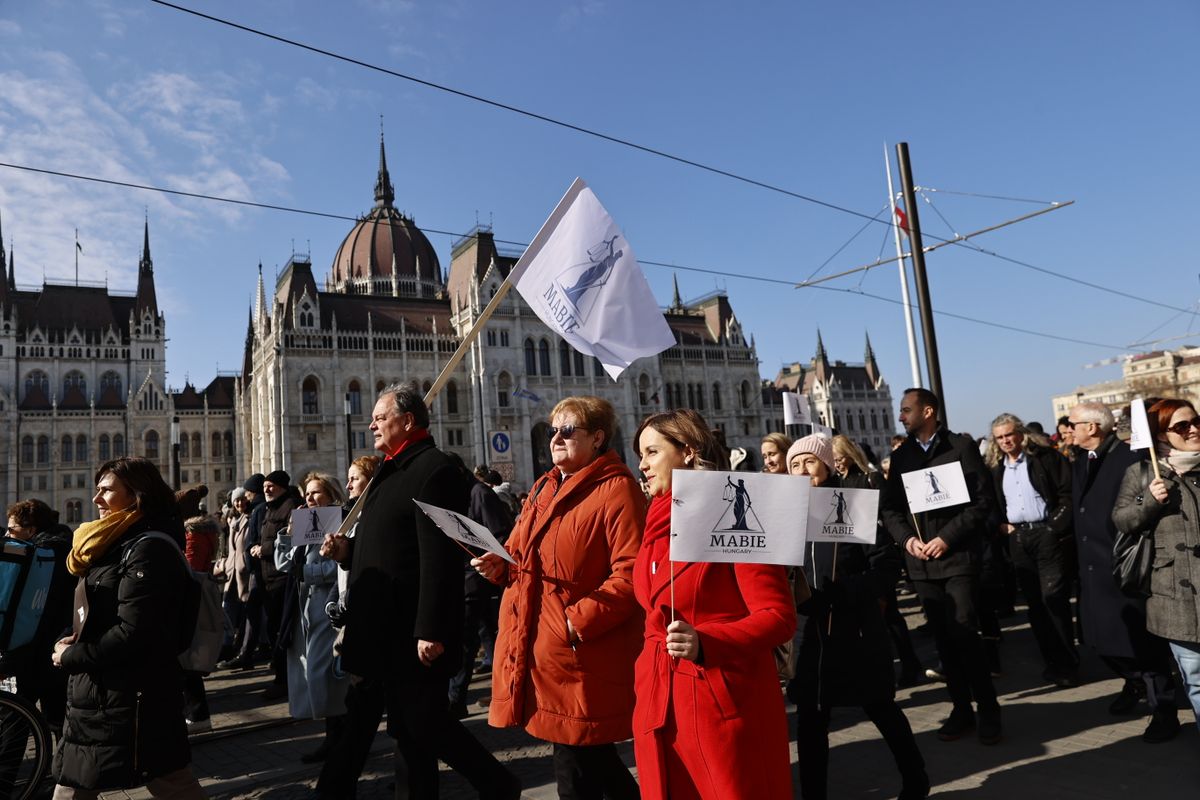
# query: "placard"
{"points": [[310, 525], [464, 529], [935, 487], [740, 517], [842, 515], [796, 410]]}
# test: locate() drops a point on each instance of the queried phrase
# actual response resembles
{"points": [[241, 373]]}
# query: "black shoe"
{"points": [[958, 724], [936, 674], [1126, 701], [909, 678], [458, 709], [275, 691], [315, 756], [507, 789], [1060, 677], [989, 725], [916, 787], [1163, 727]]}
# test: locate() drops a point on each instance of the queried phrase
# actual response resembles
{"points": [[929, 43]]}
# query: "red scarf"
{"points": [[418, 435], [658, 520]]}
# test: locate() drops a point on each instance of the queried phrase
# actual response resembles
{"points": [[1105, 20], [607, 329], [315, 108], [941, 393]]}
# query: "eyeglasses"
{"points": [[1075, 425], [566, 431], [1181, 428]]}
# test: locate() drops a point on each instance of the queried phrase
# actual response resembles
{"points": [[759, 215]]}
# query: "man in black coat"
{"points": [[943, 550], [402, 639], [1113, 624], [1033, 487]]}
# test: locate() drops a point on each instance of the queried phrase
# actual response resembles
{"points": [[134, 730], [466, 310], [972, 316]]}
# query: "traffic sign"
{"points": [[500, 445]]}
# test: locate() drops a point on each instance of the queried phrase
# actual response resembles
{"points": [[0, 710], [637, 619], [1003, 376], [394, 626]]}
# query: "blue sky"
{"points": [[1084, 101]]}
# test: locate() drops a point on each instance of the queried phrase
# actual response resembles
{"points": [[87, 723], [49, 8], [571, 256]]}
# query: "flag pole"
{"points": [[672, 566], [917, 527], [832, 578], [535, 247], [1154, 461], [908, 317]]}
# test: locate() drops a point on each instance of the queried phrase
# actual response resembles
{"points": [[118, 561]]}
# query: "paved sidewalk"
{"points": [[1058, 744]]}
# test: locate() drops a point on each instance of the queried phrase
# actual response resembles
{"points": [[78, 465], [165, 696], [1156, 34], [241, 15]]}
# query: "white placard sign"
{"points": [[822, 430], [741, 517], [842, 515], [935, 487], [309, 525], [465, 530], [796, 410], [1139, 426]]}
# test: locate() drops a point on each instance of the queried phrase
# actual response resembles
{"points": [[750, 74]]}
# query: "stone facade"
{"points": [[1159, 373]]}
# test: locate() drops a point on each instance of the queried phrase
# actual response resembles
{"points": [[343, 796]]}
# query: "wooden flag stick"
{"points": [[833, 577], [1154, 461], [917, 528], [672, 565]]}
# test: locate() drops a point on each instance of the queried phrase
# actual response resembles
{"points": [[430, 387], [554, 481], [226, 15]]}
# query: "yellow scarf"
{"points": [[92, 539]]}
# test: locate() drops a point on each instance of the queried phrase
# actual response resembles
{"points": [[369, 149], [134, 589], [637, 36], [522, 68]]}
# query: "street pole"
{"points": [[919, 277], [349, 435], [175, 453], [913, 360]]}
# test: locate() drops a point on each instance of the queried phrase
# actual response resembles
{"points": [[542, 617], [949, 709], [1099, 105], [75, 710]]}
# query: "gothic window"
{"points": [[691, 403], [81, 449], [745, 394], [579, 363], [68, 449], [503, 390], [37, 380], [451, 398], [354, 390], [184, 448], [504, 338], [43, 450], [118, 446], [564, 358], [228, 444], [491, 338], [197, 446], [597, 368], [530, 358], [75, 378], [27, 450], [110, 380], [74, 512], [643, 390], [103, 448], [308, 395], [670, 395], [544, 356], [716, 397], [152, 445], [214, 450], [862, 421], [700, 396]]}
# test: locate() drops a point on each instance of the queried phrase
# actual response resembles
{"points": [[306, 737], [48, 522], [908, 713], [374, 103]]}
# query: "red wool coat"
{"points": [[574, 544], [719, 724]]}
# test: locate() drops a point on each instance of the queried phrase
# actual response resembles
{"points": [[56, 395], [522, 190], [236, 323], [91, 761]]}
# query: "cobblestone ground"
{"points": [[1058, 744]]}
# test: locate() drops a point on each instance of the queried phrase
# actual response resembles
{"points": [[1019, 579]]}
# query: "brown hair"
{"points": [[141, 476], [593, 413], [331, 486], [367, 465], [1159, 415], [33, 514], [684, 428]]}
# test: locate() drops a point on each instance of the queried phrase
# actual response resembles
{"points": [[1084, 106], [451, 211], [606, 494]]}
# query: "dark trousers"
{"points": [[901, 639], [424, 732], [812, 742], [252, 610], [480, 620], [950, 607], [592, 772], [1153, 670], [273, 600], [1040, 561], [195, 699]]}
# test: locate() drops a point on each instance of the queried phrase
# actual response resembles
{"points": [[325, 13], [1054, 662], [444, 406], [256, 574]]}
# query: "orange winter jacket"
{"points": [[575, 544]]}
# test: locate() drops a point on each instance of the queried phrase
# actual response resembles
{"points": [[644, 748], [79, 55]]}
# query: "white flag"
{"points": [[1139, 426], [843, 515], [935, 487], [464, 529], [581, 278], [309, 525], [796, 410], [741, 517], [822, 430]]}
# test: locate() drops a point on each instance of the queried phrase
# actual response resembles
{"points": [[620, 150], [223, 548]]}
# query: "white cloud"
{"points": [[314, 95], [9, 28]]}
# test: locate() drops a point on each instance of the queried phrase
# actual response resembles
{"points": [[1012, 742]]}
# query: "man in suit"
{"points": [[402, 638], [943, 549], [1113, 624]]}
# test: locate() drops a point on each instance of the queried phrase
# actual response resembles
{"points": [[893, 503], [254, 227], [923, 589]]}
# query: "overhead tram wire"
{"points": [[663, 264], [616, 139]]}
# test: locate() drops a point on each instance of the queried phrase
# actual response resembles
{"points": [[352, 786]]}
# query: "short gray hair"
{"points": [[407, 398], [1097, 413]]}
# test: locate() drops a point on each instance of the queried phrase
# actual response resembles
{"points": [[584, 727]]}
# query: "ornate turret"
{"points": [[871, 365], [385, 194], [147, 299]]}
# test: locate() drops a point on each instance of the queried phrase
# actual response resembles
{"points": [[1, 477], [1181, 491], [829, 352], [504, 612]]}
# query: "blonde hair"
{"points": [[781, 441], [593, 413], [331, 487], [846, 448]]}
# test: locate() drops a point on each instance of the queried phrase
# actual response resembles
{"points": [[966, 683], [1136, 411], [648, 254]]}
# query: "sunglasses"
{"points": [[1181, 428], [565, 431]]}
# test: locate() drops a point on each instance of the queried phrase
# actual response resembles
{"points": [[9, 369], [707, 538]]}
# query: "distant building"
{"points": [[315, 358], [1159, 373], [853, 399], [82, 372]]}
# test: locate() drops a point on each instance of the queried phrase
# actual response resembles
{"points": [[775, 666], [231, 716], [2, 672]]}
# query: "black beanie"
{"points": [[279, 478], [254, 483]]}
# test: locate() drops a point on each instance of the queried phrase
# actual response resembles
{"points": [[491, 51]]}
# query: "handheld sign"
{"points": [[935, 487], [309, 525], [842, 515], [739, 517], [822, 430], [796, 410], [464, 529], [1139, 426]]}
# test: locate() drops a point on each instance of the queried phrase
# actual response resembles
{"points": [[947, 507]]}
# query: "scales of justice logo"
{"points": [[738, 526], [571, 296], [934, 491], [839, 521]]}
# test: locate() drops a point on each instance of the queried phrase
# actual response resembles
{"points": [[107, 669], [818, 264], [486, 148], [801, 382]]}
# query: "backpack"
{"points": [[25, 574], [201, 617]]}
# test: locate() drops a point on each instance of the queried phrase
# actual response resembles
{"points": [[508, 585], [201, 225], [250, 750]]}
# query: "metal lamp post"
{"points": [[175, 453]]}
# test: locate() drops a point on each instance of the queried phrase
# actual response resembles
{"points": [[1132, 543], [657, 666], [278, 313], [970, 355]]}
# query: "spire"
{"points": [[147, 299], [385, 195], [870, 355], [676, 301], [821, 355], [3, 266], [260, 304], [12, 261], [821, 359], [871, 365]]}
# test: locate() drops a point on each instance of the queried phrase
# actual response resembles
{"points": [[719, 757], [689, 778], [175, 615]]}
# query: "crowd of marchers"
{"points": [[592, 634]]}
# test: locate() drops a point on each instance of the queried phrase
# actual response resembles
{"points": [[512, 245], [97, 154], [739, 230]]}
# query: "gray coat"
{"points": [[316, 685], [1173, 608]]}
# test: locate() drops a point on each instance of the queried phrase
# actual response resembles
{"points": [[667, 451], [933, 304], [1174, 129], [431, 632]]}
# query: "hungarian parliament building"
{"points": [[83, 368]]}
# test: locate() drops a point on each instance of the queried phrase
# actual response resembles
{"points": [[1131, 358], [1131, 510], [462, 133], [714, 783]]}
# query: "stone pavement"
{"points": [[1058, 743]]}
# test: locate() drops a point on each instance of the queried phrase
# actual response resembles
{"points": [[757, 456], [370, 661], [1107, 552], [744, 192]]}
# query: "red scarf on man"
{"points": [[420, 434]]}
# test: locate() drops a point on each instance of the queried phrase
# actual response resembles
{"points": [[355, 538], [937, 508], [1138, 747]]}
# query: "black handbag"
{"points": [[1133, 556]]}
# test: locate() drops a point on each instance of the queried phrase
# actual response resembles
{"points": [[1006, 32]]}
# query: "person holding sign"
{"points": [[709, 721], [845, 656], [1167, 509], [943, 549], [316, 685], [569, 624], [1113, 624]]}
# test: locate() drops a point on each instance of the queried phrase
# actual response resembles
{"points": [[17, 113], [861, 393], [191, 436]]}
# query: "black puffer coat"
{"points": [[125, 721]]}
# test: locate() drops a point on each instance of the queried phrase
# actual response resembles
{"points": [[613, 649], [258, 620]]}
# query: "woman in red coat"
{"points": [[709, 719]]}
